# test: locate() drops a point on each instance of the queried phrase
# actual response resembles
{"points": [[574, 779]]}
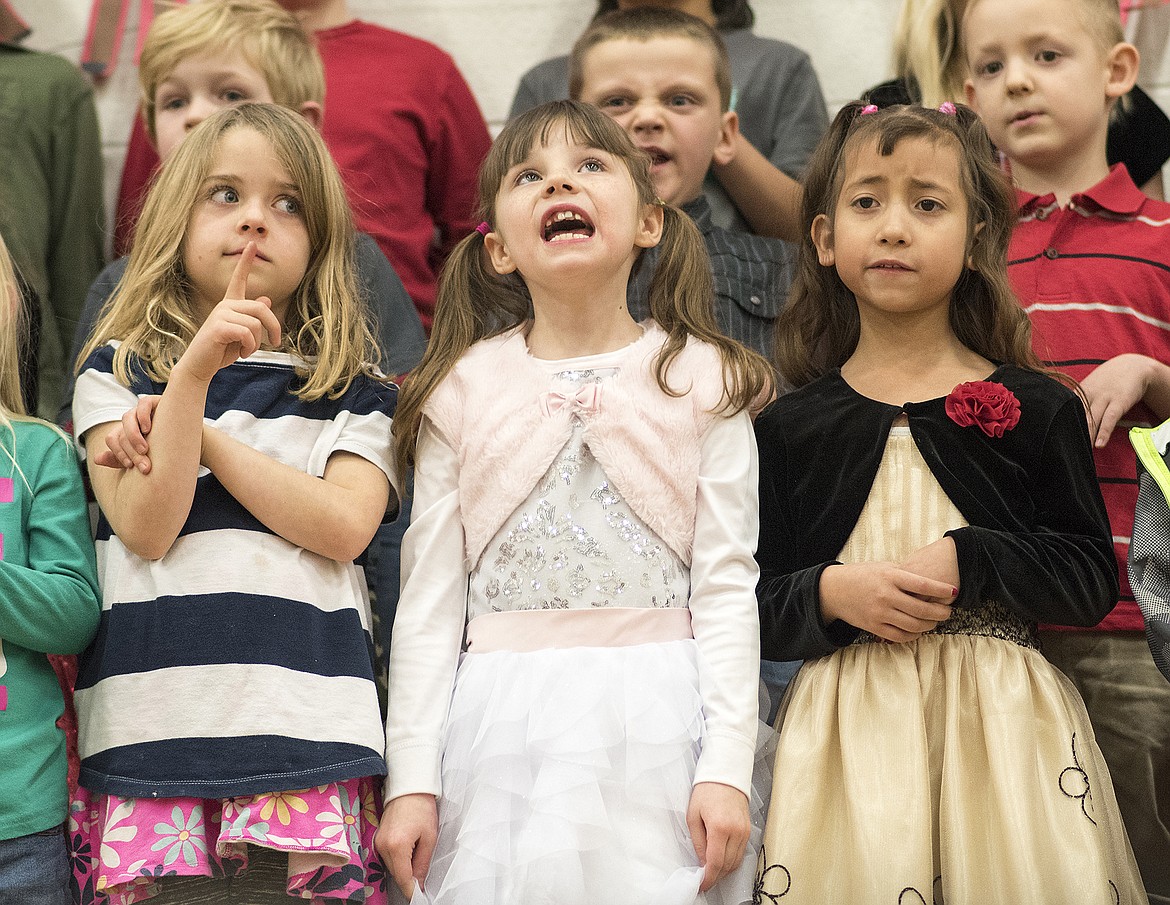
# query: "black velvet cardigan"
{"points": [[1038, 539]]}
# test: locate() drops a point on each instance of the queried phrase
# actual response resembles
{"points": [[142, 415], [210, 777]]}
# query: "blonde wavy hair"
{"points": [[269, 37], [927, 49], [152, 311]]}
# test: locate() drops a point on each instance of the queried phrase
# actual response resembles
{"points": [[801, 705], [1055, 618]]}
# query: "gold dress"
{"points": [[959, 768]]}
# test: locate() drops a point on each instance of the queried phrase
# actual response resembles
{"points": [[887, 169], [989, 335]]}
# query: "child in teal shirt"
{"points": [[48, 604]]}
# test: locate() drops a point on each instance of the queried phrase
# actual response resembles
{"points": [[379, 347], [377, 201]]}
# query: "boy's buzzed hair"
{"points": [[642, 24], [1101, 18], [270, 37]]}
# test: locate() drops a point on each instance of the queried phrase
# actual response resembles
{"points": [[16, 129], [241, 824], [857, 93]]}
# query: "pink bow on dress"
{"points": [[586, 399]]}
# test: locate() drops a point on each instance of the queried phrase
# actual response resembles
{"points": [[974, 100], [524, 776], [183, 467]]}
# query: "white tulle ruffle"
{"points": [[566, 779]]}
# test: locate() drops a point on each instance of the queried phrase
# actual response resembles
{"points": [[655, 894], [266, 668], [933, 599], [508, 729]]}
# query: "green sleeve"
{"points": [[52, 605]]}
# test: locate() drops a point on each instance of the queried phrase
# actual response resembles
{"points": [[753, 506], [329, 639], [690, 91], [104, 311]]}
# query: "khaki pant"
{"points": [[1129, 706]]}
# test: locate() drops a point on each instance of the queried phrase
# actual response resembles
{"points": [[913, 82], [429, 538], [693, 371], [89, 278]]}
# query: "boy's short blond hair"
{"points": [[268, 36], [1101, 19], [642, 24]]}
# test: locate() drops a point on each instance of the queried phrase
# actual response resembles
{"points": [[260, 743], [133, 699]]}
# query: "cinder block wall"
{"points": [[495, 41]]}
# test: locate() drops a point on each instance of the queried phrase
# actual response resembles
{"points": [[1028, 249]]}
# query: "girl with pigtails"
{"points": [[574, 672]]}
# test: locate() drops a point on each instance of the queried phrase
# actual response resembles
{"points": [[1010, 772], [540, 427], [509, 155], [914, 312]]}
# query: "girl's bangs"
{"points": [[588, 128]]}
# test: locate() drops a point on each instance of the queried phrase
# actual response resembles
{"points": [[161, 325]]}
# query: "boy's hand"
{"points": [[406, 839], [884, 599], [1111, 390], [1117, 385], [717, 817], [235, 328], [126, 444]]}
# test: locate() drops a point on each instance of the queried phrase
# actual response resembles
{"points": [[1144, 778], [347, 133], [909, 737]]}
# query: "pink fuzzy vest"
{"points": [[488, 408]]}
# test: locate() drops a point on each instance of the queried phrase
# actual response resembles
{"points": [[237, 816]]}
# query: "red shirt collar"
{"points": [[1115, 193]]}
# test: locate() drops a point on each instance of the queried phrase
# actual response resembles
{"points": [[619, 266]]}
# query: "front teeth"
{"points": [[559, 216]]}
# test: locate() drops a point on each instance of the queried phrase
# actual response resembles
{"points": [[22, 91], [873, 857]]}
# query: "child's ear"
{"points": [[498, 252], [728, 137], [1122, 62], [650, 228], [972, 97], [971, 246], [822, 236], [312, 113]]}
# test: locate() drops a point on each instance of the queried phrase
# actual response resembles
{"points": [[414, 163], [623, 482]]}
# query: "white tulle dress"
{"points": [[577, 719]]}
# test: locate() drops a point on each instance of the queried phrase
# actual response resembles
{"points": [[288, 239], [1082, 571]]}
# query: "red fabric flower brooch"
{"points": [[989, 406]]}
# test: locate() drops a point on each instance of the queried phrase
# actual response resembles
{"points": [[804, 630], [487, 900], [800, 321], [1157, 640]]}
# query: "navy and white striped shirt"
{"points": [[239, 663]]}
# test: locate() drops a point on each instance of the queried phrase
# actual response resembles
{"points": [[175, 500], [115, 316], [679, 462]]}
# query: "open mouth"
{"points": [[889, 265], [657, 156], [565, 224]]}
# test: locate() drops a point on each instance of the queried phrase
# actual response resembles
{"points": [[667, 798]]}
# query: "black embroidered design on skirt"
{"points": [[762, 877], [1074, 783], [911, 896]]}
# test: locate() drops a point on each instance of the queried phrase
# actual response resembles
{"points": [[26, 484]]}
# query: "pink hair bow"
{"points": [[584, 400]]}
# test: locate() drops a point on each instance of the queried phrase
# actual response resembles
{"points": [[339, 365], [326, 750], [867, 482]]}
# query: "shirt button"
{"points": [[1051, 253], [1042, 214], [755, 300]]}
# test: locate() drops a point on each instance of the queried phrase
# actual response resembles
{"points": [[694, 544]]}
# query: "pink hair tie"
{"points": [[483, 229], [947, 107], [869, 108]]}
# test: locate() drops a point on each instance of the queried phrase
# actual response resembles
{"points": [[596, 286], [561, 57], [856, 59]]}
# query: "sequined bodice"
{"points": [[574, 543]]}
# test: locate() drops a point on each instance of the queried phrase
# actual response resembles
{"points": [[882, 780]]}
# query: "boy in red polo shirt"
{"points": [[1090, 261]]}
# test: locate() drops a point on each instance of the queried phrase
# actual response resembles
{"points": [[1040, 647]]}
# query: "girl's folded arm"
{"points": [[1064, 571], [788, 594], [147, 511], [52, 604], [335, 515]]}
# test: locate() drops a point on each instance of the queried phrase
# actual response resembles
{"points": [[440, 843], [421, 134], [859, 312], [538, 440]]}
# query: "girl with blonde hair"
{"points": [[229, 722]]}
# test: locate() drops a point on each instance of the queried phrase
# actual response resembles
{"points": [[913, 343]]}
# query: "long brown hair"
{"points": [[818, 329], [474, 302]]}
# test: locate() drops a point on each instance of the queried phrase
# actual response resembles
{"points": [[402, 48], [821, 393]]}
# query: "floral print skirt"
{"points": [[123, 849]]}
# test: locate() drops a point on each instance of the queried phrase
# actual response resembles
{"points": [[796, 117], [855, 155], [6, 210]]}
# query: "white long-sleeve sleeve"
{"points": [[724, 617], [428, 626]]}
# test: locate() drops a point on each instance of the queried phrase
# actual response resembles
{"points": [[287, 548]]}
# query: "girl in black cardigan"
{"points": [[926, 494]]}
